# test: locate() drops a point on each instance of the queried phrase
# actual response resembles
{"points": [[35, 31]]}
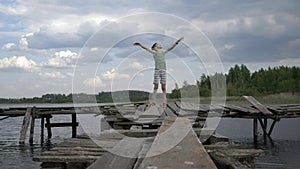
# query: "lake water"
{"points": [[281, 153]]}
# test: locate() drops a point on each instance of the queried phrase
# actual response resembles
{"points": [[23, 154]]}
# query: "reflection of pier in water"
{"points": [[141, 120]]}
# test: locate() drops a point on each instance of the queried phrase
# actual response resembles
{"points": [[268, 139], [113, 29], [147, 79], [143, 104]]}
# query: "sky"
{"points": [[76, 46]]}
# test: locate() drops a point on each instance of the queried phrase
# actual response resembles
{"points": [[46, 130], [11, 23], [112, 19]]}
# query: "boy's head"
{"points": [[156, 46]]}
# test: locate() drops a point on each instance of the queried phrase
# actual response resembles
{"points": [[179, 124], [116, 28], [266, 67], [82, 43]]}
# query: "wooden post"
{"points": [[74, 126], [265, 127], [48, 127], [42, 129], [272, 127], [25, 126], [255, 131], [32, 126]]}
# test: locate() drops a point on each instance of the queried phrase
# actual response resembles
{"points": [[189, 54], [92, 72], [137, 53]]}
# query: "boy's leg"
{"points": [[155, 82], [163, 88], [153, 100]]}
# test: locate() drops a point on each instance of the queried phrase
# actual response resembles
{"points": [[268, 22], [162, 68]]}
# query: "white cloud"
{"points": [[135, 66], [9, 10], [54, 75], [9, 46], [94, 49], [23, 46], [228, 46], [20, 62], [71, 74], [113, 74], [62, 59], [269, 25], [94, 82], [295, 43]]}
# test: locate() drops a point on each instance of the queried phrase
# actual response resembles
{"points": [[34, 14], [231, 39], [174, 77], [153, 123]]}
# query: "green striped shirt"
{"points": [[160, 62]]}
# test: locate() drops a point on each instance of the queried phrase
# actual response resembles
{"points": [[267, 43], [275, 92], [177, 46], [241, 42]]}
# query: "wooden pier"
{"points": [[148, 123]]}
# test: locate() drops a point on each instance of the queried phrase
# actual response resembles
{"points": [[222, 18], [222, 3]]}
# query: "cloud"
{"points": [[94, 82], [10, 10], [135, 66], [9, 46], [52, 75], [19, 62], [62, 59], [113, 74], [22, 45]]}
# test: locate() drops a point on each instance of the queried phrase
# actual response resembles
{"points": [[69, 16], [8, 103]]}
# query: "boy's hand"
{"points": [[137, 44], [180, 39]]}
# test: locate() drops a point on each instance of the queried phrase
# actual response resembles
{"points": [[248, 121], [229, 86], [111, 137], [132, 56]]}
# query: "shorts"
{"points": [[159, 74]]}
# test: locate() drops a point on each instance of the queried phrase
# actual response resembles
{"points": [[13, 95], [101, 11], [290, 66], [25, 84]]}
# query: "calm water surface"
{"points": [[281, 153]]}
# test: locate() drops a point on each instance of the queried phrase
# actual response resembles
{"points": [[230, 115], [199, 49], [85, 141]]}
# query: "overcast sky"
{"points": [[86, 46]]}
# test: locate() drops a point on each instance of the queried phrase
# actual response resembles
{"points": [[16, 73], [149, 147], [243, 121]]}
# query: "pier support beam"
{"points": [[272, 127], [255, 131], [74, 126], [32, 126], [42, 129], [25, 126], [48, 126]]}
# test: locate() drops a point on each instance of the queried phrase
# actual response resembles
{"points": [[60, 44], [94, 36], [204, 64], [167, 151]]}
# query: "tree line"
{"points": [[101, 97], [237, 82], [240, 81]]}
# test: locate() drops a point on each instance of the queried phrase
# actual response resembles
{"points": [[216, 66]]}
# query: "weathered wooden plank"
{"points": [[140, 110], [73, 153], [241, 109], [169, 112], [185, 109], [258, 105], [33, 116], [123, 156], [191, 106], [165, 153], [66, 158], [174, 107], [3, 118], [25, 125], [151, 111], [61, 124]]}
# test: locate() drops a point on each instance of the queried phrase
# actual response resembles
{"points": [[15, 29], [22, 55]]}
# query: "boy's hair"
{"points": [[153, 46]]}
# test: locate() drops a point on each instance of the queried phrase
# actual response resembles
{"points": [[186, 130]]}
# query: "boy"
{"points": [[160, 68]]}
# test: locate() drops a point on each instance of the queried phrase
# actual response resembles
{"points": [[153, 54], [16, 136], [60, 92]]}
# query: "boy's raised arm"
{"points": [[144, 47], [173, 46]]}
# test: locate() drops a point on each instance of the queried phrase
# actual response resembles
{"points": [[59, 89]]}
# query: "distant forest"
{"points": [[101, 97], [239, 81]]}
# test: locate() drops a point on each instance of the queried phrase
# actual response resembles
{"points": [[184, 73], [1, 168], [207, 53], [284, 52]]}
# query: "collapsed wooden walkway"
{"points": [[143, 121], [123, 116], [172, 144]]}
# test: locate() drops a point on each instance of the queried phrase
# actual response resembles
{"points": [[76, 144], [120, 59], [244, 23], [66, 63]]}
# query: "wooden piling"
{"points": [[255, 131], [32, 125], [48, 127], [42, 129], [25, 125], [272, 127], [265, 128], [74, 126]]}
